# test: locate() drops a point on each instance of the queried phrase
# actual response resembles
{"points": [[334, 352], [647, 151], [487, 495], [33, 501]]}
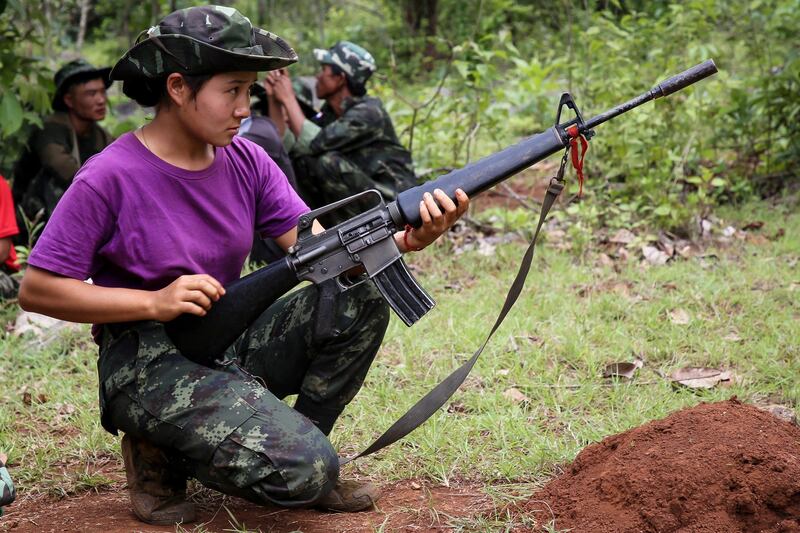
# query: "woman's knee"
{"points": [[307, 473], [291, 466]]}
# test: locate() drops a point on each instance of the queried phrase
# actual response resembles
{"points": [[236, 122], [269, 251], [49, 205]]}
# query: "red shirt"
{"points": [[8, 222]]}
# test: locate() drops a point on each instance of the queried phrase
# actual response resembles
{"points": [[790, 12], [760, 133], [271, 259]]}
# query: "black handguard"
{"points": [[366, 240]]}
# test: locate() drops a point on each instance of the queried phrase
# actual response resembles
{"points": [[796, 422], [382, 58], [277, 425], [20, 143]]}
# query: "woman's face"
{"points": [[217, 109]]}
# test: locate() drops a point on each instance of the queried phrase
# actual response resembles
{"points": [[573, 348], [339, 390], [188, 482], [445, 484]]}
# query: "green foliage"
{"points": [[663, 163], [484, 73], [25, 83]]}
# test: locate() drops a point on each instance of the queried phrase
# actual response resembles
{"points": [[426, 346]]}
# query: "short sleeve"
{"points": [[278, 206], [81, 223]]}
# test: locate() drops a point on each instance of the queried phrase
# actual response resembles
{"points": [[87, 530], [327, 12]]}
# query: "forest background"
{"points": [[464, 78]]}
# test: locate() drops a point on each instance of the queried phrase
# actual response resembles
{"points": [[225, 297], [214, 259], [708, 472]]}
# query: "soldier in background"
{"points": [[353, 145], [68, 137], [260, 129]]}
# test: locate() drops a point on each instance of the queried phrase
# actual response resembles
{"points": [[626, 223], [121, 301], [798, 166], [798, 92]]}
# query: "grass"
{"points": [[574, 318]]}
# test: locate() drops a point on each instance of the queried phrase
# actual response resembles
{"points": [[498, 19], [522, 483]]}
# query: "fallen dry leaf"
{"points": [[732, 337], [503, 372], [458, 407], [622, 236], [699, 377], [679, 316], [654, 256], [666, 243], [516, 396], [758, 224], [605, 260], [622, 370], [705, 228], [687, 251], [65, 409]]}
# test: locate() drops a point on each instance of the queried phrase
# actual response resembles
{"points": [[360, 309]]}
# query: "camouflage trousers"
{"points": [[324, 179], [227, 426]]}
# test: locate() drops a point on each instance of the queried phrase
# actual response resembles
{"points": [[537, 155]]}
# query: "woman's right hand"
{"points": [[193, 294]]}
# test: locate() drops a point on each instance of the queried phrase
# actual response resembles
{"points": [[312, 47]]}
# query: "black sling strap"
{"points": [[436, 398]]}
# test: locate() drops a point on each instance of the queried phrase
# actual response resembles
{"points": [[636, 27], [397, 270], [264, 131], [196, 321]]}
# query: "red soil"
{"points": [[405, 506], [714, 468]]}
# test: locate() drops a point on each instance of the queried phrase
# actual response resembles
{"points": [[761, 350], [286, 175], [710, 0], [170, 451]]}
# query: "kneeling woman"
{"points": [[161, 221]]}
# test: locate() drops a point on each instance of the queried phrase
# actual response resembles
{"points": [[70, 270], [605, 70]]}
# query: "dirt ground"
{"points": [[722, 467], [405, 506]]}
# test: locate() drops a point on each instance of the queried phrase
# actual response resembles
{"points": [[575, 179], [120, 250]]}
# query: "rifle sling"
{"points": [[436, 398]]}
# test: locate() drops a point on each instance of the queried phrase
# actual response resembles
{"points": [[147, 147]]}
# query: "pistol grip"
{"points": [[401, 291]]}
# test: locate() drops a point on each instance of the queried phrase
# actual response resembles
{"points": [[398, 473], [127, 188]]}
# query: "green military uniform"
{"points": [[55, 152], [58, 154], [356, 151], [226, 424]]}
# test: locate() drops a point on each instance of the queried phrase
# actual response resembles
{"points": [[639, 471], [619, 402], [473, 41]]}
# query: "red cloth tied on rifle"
{"points": [[577, 160]]}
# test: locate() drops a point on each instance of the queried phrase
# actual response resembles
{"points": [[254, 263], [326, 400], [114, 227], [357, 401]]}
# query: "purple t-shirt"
{"points": [[132, 220]]}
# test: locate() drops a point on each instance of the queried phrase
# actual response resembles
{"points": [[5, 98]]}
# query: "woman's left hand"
{"points": [[438, 213]]}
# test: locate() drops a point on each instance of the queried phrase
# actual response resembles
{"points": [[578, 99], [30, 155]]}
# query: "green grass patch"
{"points": [[573, 318]]}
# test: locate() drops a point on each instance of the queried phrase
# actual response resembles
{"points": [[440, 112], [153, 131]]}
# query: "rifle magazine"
{"points": [[401, 291]]}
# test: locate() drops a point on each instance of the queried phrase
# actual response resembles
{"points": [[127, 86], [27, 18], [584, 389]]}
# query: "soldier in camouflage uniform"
{"points": [[161, 220], [353, 146], [68, 137]]}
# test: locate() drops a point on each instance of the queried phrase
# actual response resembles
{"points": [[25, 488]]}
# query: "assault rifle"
{"points": [[366, 240]]}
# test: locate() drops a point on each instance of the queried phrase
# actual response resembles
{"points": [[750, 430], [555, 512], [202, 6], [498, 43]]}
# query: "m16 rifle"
{"points": [[366, 242]]}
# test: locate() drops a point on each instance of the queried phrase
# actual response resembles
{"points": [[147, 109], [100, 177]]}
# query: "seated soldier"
{"points": [[354, 146], [260, 129], [69, 137]]}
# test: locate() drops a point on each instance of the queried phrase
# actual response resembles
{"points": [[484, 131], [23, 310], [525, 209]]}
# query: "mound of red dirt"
{"points": [[722, 467]]}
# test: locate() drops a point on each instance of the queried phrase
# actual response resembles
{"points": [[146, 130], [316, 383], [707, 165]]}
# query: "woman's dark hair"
{"points": [[148, 92], [356, 89]]}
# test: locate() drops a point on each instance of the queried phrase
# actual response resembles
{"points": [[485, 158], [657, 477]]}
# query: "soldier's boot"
{"points": [[158, 493], [349, 497]]}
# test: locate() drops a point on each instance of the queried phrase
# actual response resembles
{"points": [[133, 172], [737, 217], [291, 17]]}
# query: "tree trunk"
{"points": [[261, 9], [422, 18], [84, 6]]}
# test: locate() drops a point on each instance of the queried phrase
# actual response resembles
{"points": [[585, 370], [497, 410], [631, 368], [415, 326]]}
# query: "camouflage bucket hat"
{"points": [[357, 63], [203, 40], [73, 72]]}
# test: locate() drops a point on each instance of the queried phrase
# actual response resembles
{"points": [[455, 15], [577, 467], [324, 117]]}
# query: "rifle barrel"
{"points": [[665, 88], [485, 173]]}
